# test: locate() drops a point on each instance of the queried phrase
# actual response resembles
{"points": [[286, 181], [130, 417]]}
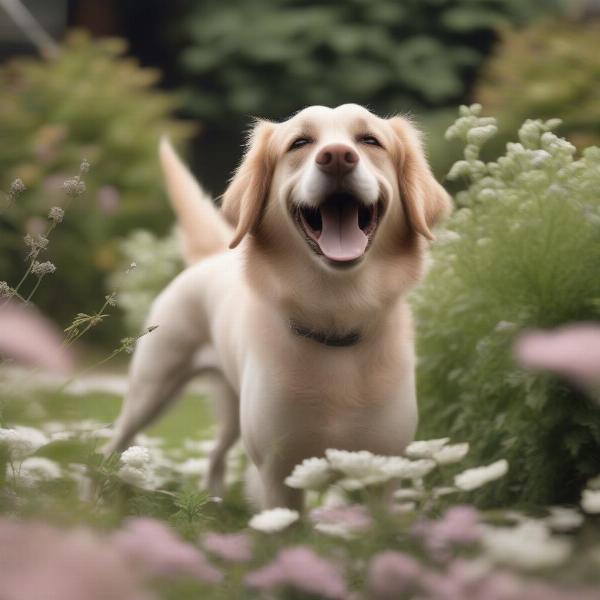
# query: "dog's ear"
{"points": [[247, 193], [425, 200]]}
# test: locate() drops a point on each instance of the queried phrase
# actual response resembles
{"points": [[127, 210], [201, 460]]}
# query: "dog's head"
{"points": [[341, 183]]}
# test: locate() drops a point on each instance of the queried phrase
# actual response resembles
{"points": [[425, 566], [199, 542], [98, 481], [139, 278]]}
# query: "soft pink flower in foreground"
{"points": [[231, 547], [159, 552], [41, 562], [343, 521], [573, 351], [301, 568], [459, 525], [29, 338], [392, 573]]}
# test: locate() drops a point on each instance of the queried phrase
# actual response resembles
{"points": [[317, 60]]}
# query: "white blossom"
{"points": [[311, 474], [474, 478], [38, 468], [590, 501], [136, 456], [425, 448], [528, 546], [138, 477], [193, 466], [564, 519], [364, 467], [397, 467], [408, 494], [22, 441], [451, 454], [273, 520]]}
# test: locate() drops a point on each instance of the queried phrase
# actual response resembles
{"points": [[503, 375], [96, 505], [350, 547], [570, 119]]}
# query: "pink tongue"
{"points": [[341, 238]]}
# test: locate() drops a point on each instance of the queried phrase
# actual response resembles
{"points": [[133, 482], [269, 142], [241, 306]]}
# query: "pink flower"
{"points": [[231, 547], [159, 552], [392, 573], [41, 561], [572, 351], [459, 525], [301, 568], [30, 338], [342, 521]]}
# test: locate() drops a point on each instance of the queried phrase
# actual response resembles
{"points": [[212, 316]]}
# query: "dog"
{"points": [[295, 296]]}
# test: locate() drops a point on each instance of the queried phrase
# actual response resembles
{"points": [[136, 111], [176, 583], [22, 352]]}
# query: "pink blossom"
{"points": [[41, 561], [301, 568], [352, 519], [155, 548], [28, 337], [392, 573], [573, 351], [231, 547]]}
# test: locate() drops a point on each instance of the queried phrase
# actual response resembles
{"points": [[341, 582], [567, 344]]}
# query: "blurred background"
{"points": [[102, 81]]}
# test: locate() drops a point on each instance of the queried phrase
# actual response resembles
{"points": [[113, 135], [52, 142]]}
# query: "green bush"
{"points": [[91, 102], [549, 69], [521, 251], [273, 57]]}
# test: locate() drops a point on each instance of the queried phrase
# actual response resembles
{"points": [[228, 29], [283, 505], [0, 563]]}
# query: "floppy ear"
{"points": [[425, 200], [247, 193]]}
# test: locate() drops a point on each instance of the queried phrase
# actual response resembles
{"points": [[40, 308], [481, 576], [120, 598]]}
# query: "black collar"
{"points": [[327, 338]]}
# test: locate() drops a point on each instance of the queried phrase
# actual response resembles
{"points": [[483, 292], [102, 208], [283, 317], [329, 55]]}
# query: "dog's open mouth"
{"points": [[341, 228]]}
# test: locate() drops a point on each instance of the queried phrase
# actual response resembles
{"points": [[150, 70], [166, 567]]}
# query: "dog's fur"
{"points": [[293, 396]]}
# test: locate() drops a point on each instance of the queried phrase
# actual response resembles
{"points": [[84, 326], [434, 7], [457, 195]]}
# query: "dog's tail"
{"points": [[203, 230]]}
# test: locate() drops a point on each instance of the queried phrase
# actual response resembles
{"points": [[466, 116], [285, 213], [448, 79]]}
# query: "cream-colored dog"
{"points": [[304, 318]]}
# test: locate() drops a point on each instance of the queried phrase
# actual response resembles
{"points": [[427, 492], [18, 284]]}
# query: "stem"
{"points": [[35, 287]]}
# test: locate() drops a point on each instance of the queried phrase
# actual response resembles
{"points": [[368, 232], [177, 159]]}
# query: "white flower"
{"points": [[311, 474], [528, 545], [564, 519], [474, 478], [408, 494], [451, 454], [590, 501], [397, 467], [438, 492], [273, 520], [425, 448], [22, 441], [136, 456], [135, 476], [193, 466], [362, 466], [38, 468]]}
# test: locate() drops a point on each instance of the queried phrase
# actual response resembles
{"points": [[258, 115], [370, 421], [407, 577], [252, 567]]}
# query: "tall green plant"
{"points": [[522, 250]]}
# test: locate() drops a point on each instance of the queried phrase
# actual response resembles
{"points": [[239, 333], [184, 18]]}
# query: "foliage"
{"points": [[272, 58], [548, 69], [90, 103], [156, 261], [521, 251]]}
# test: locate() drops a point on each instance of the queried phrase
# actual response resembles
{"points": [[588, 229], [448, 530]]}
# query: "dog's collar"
{"points": [[327, 338]]}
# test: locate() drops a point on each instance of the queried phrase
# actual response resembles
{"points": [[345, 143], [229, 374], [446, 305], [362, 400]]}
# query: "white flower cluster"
{"points": [[273, 520], [474, 478], [22, 442]]}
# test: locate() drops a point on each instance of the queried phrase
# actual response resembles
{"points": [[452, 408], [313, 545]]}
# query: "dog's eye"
{"points": [[299, 142], [371, 140]]}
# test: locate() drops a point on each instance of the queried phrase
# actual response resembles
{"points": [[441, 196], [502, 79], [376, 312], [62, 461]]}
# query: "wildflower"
{"points": [[590, 501], [425, 448], [22, 441], [37, 243], [16, 187], [136, 456], [300, 568], [408, 494], [231, 547], [563, 519], [74, 187], [135, 476], [132, 267], [5, 290], [111, 299], [451, 454], [56, 214], [473, 478], [528, 545], [156, 550], [392, 574], [84, 167], [275, 519], [341, 521], [38, 468], [397, 467], [480, 135], [363, 467], [311, 474], [44, 268], [193, 467]]}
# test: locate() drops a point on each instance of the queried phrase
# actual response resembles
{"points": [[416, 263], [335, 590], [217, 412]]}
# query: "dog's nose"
{"points": [[336, 159]]}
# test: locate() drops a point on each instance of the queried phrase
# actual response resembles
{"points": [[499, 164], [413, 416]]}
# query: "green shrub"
{"points": [[549, 69], [91, 102], [273, 57], [522, 250]]}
